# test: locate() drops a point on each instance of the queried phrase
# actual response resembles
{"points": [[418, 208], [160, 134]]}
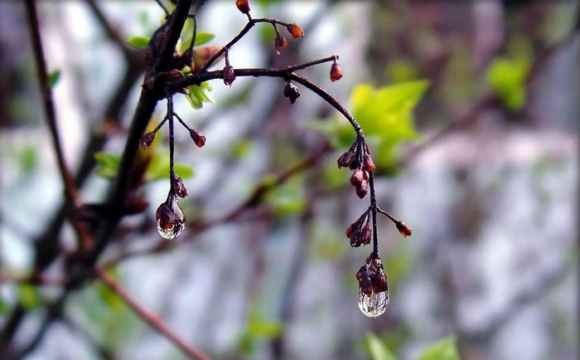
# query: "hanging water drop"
{"points": [[170, 218], [374, 305]]}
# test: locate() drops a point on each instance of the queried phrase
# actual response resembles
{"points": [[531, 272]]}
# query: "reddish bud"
{"points": [[295, 30], [146, 140], [362, 190], [243, 6], [335, 72], [345, 159], [368, 164], [356, 178], [279, 43], [197, 137], [366, 233], [229, 75], [404, 229]]}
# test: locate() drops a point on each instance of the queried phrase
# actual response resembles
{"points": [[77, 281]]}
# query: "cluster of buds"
{"points": [[358, 159], [359, 232]]}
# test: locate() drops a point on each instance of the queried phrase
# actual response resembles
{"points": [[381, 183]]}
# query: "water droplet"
{"points": [[170, 231], [170, 219], [374, 305]]}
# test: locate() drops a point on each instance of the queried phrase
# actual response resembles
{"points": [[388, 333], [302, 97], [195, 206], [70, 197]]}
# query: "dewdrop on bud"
{"points": [[373, 305], [335, 72], [170, 219], [243, 6], [295, 30]]}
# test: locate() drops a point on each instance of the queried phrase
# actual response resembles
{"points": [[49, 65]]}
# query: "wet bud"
{"points": [[366, 233], [146, 140], [291, 92], [178, 186], [356, 178], [379, 282], [368, 164], [335, 72], [229, 75], [197, 137], [295, 30], [352, 229], [170, 218], [362, 190], [361, 273], [243, 6], [404, 229], [365, 286], [279, 43], [345, 159]]}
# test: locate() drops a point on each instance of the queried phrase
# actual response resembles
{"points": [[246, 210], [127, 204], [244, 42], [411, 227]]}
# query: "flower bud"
{"points": [[345, 159], [368, 164], [362, 190], [197, 137], [335, 72], [366, 233], [178, 186], [229, 75], [404, 229], [170, 218], [356, 178], [146, 140], [279, 43], [295, 30], [291, 92], [243, 6]]}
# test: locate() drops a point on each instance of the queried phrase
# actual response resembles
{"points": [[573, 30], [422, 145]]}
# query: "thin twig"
{"points": [[149, 317]]}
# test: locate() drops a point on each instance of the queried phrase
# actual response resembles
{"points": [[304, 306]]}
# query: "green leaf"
{"points": [[53, 78], [139, 41], [265, 329], [201, 38], [507, 78], [158, 168], [444, 349], [107, 164], [377, 349], [28, 296], [386, 116]]}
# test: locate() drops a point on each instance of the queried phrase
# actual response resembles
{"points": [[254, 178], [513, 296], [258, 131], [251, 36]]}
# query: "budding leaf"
{"points": [[107, 164], [53, 78], [442, 350], [139, 41], [378, 349], [200, 39], [507, 79]]}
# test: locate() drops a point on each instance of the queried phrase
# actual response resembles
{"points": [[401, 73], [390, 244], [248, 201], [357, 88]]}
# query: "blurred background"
{"points": [[488, 184]]}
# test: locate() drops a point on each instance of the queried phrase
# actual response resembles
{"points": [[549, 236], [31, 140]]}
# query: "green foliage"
{"points": [[158, 168], [377, 349], [53, 78], [201, 38], [288, 198], [444, 349], [139, 41], [507, 75], [29, 296], [198, 95], [258, 329]]}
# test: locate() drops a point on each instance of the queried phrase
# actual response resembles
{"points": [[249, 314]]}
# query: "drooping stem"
{"points": [[171, 137], [374, 212]]}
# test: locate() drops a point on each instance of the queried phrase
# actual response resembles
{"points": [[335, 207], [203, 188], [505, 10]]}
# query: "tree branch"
{"points": [[149, 317]]}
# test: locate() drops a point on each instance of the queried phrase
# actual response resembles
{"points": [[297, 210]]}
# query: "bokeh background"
{"points": [[489, 187]]}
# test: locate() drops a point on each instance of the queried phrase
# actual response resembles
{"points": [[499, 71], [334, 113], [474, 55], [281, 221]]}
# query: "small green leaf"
{"points": [[139, 41], [201, 38], [507, 78], [107, 164], [377, 349], [53, 78], [444, 349], [265, 329], [184, 171]]}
